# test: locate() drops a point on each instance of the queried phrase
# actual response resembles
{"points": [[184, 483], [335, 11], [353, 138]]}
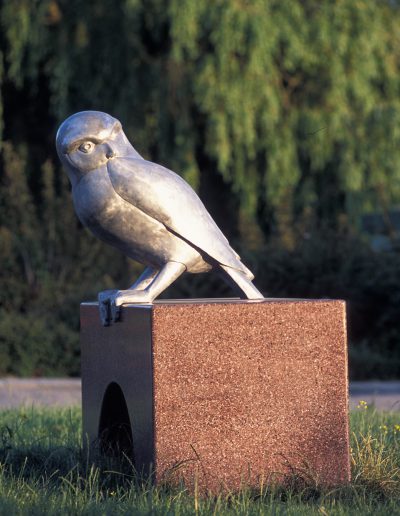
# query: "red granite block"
{"points": [[225, 393]]}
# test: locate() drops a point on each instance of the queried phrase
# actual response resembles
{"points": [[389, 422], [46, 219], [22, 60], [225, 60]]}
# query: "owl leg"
{"points": [[105, 296], [163, 279], [144, 279]]}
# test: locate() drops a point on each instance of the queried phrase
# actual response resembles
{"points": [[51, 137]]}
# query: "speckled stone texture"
{"points": [[246, 392]]}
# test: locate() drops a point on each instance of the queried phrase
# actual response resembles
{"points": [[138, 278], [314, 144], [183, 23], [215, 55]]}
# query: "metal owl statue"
{"points": [[143, 209]]}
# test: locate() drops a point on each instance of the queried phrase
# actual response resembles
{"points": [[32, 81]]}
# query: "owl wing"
{"points": [[166, 197]]}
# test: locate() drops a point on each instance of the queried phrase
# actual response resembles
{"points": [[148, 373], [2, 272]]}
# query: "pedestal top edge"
{"points": [[221, 301]]}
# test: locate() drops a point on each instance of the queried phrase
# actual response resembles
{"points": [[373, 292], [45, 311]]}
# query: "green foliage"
{"points": [[42, 471], [283, 114], [293, 103]]}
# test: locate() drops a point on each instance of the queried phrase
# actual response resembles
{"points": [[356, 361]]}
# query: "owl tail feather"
{"points": [[240, 281]]}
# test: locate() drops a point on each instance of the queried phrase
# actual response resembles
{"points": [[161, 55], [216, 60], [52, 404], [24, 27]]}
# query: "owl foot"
{"points": [[124, 297], [111, 301]]}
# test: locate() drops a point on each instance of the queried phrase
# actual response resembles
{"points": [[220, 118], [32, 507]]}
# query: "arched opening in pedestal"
{"points": [[115, 430]]}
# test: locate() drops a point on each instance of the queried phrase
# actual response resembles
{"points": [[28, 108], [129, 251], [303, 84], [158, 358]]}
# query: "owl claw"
{"points": [[115, 311], [105, 299], [104, 309]]}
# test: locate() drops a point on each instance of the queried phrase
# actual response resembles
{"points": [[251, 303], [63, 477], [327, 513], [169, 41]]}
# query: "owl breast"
{"points": [[122, 225]]}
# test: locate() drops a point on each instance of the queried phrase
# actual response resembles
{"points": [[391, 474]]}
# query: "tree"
{"points": [[283, 114]]}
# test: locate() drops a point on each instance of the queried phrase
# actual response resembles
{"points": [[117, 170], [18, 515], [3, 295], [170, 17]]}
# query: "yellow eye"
{"points": [[86, 147]]}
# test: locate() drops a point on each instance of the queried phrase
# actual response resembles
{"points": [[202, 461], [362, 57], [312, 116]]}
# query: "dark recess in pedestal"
{"points": [[115, 430]]}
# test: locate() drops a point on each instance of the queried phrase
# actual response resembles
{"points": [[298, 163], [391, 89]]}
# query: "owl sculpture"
{"points": [[143, 209]]}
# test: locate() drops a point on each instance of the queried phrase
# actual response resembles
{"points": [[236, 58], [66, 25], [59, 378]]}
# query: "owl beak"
{"points": [[110, 153]]}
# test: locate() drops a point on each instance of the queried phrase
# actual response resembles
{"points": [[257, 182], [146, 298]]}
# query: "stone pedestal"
{"points": [[222, 393]]}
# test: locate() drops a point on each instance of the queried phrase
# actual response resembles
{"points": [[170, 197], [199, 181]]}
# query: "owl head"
{"points": [[87, 140]]}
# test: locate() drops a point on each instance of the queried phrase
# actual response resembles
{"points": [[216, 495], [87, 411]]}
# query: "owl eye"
{"points": [[86, 147]]}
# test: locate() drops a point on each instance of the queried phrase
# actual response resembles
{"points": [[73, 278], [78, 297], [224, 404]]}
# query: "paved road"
{"points": [[384, 395], [67, 391], [39, 391]]}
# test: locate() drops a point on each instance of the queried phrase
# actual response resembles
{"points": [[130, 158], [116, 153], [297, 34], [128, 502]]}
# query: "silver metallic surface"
{"points": [[145, 210]]}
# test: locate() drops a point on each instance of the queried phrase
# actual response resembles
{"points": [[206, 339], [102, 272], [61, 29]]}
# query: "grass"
{"points": [[42, 471]]}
